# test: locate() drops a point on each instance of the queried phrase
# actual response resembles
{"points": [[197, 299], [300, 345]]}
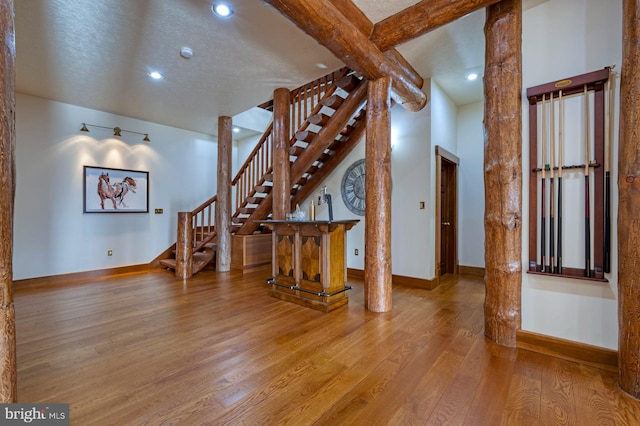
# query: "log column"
{"points": [[184, 247], [377, 261], [223, 204], [629, 204], [503, 171], [8, 382], [281, 166]]}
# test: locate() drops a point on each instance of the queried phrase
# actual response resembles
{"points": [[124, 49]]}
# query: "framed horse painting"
{"points": [[108, 190]]}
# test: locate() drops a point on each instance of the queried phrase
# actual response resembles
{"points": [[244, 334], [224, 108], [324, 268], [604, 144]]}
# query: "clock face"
{"points": [[353, 187]]}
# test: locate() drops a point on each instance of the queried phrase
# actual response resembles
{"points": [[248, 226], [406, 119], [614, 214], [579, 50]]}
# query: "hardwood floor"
{"points": [[146, 349]]}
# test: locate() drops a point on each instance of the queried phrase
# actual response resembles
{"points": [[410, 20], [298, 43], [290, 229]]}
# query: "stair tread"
{"points": [[169, 263], [305, 135], [296, 150], [348, 82], [319, 119], [254, 200], [333, 101]]}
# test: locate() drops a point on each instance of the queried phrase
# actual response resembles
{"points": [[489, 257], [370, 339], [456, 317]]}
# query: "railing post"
{"points": [[223, 204], [281, 166], [184, 247]]}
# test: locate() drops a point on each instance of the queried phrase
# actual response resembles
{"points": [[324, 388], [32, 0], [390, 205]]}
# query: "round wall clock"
{"points": [[352, 187]]}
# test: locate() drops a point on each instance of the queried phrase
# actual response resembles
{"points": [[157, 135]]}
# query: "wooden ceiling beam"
{"points": [[344, 37], [419, 19], [364, 24]]}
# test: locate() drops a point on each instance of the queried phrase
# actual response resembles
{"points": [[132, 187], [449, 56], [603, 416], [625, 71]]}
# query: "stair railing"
{"points": [[252, 172], [203, 220], [305, 100], [195, 230]]}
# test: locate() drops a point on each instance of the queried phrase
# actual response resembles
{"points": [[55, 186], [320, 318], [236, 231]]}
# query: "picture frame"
{"points": [[109, 190]]}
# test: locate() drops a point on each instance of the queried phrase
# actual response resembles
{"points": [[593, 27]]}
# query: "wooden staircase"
{"points": [[327, 120], [323, 138], [198, 232]]}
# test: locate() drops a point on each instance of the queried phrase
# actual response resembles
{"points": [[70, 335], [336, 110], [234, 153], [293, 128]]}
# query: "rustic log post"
{"points": [[223, 204], [281, 165], [377, 261], [184, 247], [8, 381], [503, 171], [629, 204]]}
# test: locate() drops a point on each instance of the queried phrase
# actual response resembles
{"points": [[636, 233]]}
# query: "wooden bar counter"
{"points": [[310, 262]]}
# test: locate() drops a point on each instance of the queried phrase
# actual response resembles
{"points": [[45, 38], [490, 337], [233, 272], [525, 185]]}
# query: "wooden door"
{"points": [[448, 217]]}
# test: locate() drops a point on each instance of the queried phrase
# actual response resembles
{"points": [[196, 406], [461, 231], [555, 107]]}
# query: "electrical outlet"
{"points": [[109, 252], [159, 211], [356, 252]]}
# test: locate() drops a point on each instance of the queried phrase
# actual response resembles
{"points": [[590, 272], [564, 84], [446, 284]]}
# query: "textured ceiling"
{"points": [[97, 54]]}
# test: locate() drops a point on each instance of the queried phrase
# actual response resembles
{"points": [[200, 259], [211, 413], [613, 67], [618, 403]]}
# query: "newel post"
{"points": [[8, 381], [503, 171], [184, 247], [281, 166], [377, 260], [223, 203]]}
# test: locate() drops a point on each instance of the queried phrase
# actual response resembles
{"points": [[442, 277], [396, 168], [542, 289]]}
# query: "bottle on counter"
{"points": [[312, 210]]}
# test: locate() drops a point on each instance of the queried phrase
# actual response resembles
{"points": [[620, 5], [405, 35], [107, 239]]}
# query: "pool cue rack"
{"points": [[594, 171]]}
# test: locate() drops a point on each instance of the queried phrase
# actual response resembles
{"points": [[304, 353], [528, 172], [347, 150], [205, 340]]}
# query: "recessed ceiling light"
{"points": [[471, 76], [222, 9], [155, 75], [236, 129], [321, 66]]}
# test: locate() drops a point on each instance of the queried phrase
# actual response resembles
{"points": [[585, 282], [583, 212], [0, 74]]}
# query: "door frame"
{"points": [[452, 158]]}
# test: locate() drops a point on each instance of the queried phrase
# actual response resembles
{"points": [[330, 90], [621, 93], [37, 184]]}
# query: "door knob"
{"points": [[446, 223]]}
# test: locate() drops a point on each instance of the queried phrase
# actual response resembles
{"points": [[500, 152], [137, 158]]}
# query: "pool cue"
{"points": [[607, 175], [587, 219], [543, 230], [552, 147], [560, 147]]}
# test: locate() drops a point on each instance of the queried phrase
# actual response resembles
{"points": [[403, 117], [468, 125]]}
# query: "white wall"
{"points": [[471, 185], [412, 231], [51, 234], [563, 38]]}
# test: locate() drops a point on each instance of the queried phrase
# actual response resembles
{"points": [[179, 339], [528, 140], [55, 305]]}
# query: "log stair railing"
{"points": [[196, 240]]}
